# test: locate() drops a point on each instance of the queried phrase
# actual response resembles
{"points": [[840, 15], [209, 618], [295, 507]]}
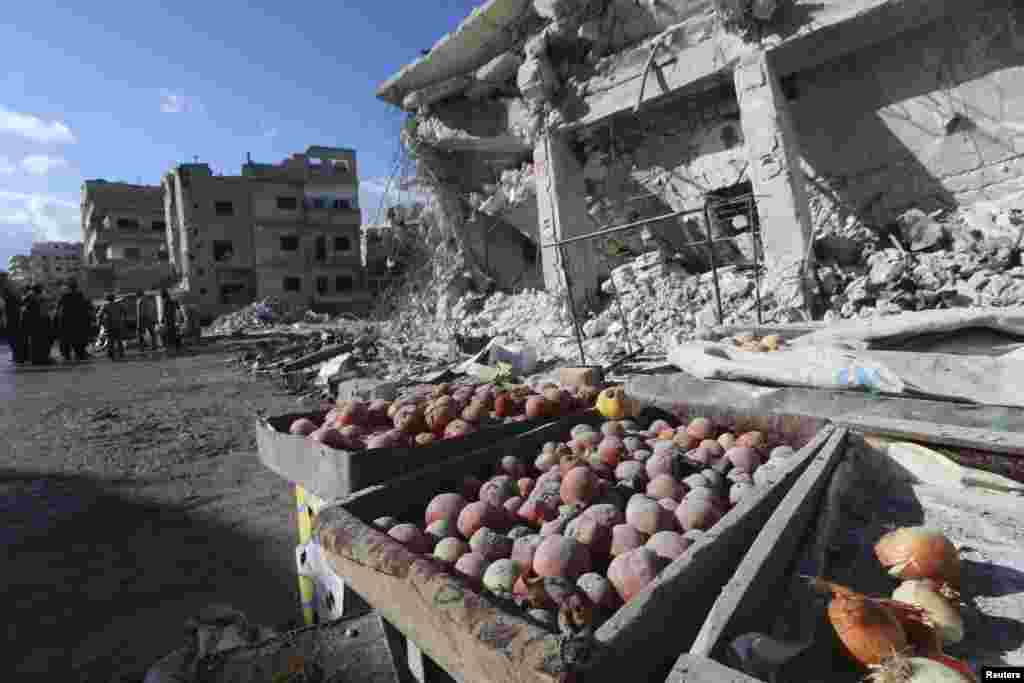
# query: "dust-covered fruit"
{"points": [[765, 474], [642, 455], [425, 438], [613, 404], [736, 475], [743, 458], [412, 538], [537, 511], [587, 441], [599, 589], [727, 440], [525, 486], [668, 544], [645, 515], [591, 533], [700, 428], [658, 464], [513, 466], [630, 572], [683, 441], [630, 469], [546, 460], [497, 490], [696, 481], [450, 549], [490, 544], [518, 532], [605, 514], [697, 513], [512, 506], [610, 450], [377, 412], [409, 419], [666, 486], [441, 528], [477, 515], [579, 485], [632, 444], [330, 437], [472, 565], [561, 556], [669, 504], [385, 523], [537, 407], [458, 428], [352, 413], [712, 447], [625, 538], [575, 432], [752, 440], [476, 412], [501, 575], [440, 413], [524, 548], [613, 428], [444, 506], [302, 427]]}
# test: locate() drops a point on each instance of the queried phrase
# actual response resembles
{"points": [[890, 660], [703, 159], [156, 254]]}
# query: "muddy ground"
{"points": [[132, 497]]}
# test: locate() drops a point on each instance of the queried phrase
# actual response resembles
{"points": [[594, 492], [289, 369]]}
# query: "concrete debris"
{"points": [[260, 315], [920, 231]]}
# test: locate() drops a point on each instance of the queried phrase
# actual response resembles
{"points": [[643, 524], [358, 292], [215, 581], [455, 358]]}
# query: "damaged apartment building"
{"points": [[536, 121], [288, 230], [124, 238]]}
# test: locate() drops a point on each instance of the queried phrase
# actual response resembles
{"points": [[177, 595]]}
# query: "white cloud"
{"points": [[47, 217], [41, 164], [34, 128], [177, 102], [6, 167]]}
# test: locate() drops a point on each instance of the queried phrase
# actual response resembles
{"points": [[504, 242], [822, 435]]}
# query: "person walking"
{"points": [[74, 321], [169, 321], [112, 320], [145, 317]]}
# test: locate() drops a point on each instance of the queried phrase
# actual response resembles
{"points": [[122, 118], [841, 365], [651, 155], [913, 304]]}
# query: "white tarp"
{"points": [[820, 367]]}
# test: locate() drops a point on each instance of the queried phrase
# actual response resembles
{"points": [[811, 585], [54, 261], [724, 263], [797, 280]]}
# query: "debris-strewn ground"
{"points": [[132, 497]]}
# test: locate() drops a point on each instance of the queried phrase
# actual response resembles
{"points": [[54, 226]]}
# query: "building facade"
{"points": [[49, 264], [124, 237], [288, 230]]}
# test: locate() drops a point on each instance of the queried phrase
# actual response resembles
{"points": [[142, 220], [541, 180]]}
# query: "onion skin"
{"points": [[870, 633], [940, 669], [924, 593], [919, 553]]}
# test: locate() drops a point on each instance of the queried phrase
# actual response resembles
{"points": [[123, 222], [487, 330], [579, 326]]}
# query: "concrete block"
{"points": [[366, 389], [436, 93], [581, 377]]}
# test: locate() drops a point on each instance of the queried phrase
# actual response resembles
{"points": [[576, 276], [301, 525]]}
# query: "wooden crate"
{"points": [[475, 639], [798, 538], [330, 473]]}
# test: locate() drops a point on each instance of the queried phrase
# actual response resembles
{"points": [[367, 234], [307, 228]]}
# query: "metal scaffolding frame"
{"points": [[708, 210]]}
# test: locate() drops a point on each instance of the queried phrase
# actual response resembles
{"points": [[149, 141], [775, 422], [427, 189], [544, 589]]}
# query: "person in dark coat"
{"points": [[35, 327], [169, 321], [12, 324], [74, 320]]}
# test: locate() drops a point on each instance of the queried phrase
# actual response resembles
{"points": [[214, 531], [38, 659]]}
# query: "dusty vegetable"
{"points": [[869, 631], [440, 413], [700, 428], [330, 437], [727, 440], [412, 537], [610, 450], [499, 489], [472, 565], [752, 440], [939, 669], [739, 491], [919, 553], [561, 556], [625, 538], [666, 486], [591, 533], [668, 544], [599, 590], [490, 544], [697, 513], [924, 593], [537, 407], [579, 485], [441, 528], [605, 513], [537, 511], [477, 515], [524, 549], [645, 515], [458, 428], [444, 506], [743, 458], [385, 523]]}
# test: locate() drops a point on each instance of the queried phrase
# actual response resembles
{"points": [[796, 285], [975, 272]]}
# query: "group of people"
{"points": [[32, 324]]}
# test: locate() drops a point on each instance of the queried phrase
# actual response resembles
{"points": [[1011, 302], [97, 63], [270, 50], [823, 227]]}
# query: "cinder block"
{"points": [[581, 377]]}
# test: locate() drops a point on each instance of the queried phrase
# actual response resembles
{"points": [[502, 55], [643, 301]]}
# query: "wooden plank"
{"points": [[696, 669], [317, 356], [742, 603], [1005, 442], [684, 592]]}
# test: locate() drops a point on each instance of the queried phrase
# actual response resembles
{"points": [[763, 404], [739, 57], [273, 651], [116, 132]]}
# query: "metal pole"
{"points": [[621, 228], [754, 233], [572, 305], [714, 265]]}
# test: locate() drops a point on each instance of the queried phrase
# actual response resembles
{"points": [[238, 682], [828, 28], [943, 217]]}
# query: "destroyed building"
{"points": [[124, 238], [288, 230], [540, 120]]}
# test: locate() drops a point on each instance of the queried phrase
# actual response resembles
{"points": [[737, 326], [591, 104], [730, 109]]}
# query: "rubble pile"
{"points": [[262, 314]]}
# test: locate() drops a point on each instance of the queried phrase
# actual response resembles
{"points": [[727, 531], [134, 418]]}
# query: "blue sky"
{"points": [[124, 90]]}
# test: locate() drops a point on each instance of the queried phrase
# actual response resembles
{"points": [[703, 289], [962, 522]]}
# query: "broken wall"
{"points": [[931, 117]]}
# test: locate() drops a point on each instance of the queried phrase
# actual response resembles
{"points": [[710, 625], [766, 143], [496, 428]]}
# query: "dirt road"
{"points": [[132, 497]]}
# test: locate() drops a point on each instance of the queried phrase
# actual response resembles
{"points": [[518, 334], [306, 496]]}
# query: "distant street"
{"points": [[132, 497]]}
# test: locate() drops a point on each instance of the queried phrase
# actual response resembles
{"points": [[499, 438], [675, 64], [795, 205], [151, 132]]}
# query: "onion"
{"points": [[924, 593], [941, 669], [869, 631], [919, 553]]}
